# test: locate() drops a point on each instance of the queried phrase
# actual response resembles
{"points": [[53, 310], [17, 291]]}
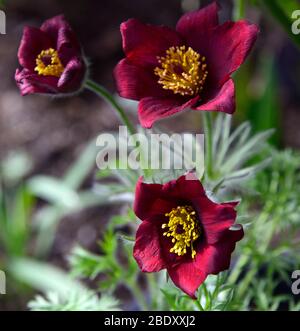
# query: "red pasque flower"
{"points": [[170, 70], [183, 231], [51, 58]]}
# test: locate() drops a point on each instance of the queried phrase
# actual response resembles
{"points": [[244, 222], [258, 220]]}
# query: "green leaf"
{"points": [[86, 264], [282, 12], [15, 167], [75, 301], [265, 111], [15, 212], [54, 191], [83, 166], [42, 276]]}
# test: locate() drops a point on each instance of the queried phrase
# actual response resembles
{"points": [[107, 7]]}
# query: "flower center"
{"points": [[184, 229], [182, 71], [48, 63]]}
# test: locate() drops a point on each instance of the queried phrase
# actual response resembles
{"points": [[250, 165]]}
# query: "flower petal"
{"points": [[53, 25], [136, 82], [32, 43], [212, 259], [223, 100], [142, 43], [186, 187], [190, 186], [66, 42], [149, 200], [195, 23], [67, 46], [226, 48], [147, 248], [187, 276], [152, 109], [73, 75], [29, 83], [215, 218]]}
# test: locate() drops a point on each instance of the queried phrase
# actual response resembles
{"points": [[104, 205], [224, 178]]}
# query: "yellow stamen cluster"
{"points": [[182, 71], [48, 63], [184, 229]]}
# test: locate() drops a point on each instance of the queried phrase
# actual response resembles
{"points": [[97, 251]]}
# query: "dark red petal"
{"points": [[149, 200], [53, 25], [147, 251], [142, 43], [223, 100], [152, 109], [66, 42], [145, 197], [32, 43], [226, 48], [67, 46], [155, 199], [193, 24], [136, 82], [72, 77], [215, 218], [186, 187], [212, 259], [187, 276], [29, 83]]}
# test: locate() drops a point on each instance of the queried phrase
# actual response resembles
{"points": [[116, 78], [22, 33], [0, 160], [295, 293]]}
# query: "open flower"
{"points": [[183, 231], [170, 70], [51, 58]]}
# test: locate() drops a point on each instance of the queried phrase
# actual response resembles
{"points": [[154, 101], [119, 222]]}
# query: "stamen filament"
{"points": [[184, 229], [182, 71], [48, 63]]}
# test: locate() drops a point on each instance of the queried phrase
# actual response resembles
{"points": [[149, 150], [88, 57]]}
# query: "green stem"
{"points": [[239, 9], [198, 304], [275, 8], [207, 122], [207, 297], [153, 289], [105, 95], [238, 268]]}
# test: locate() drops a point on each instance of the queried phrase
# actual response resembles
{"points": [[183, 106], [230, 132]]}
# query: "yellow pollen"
{"points": [[184, 229], [48, 63], [182, 71]]}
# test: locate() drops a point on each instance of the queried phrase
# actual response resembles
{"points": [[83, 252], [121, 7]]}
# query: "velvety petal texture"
{"points": [[148, 244], [224, 46], [151, 109], [198, 22], [142, 43], [30, 83], [223, 100], [214, 246], [56, 35]]}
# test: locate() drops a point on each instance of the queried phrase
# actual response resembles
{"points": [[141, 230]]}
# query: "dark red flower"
{"points": [[183, 231], [51, 58], [170, 70]]}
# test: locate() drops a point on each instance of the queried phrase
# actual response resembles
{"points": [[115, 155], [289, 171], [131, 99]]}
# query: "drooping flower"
{"points": [[170, 70], [183, 231], [51, 59]]}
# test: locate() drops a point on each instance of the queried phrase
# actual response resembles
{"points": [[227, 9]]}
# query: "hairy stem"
{"points": [[207, 122], [105, 95]]}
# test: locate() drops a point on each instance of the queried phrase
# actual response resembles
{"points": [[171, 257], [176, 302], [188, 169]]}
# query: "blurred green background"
{"points": [[47, 153]]}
